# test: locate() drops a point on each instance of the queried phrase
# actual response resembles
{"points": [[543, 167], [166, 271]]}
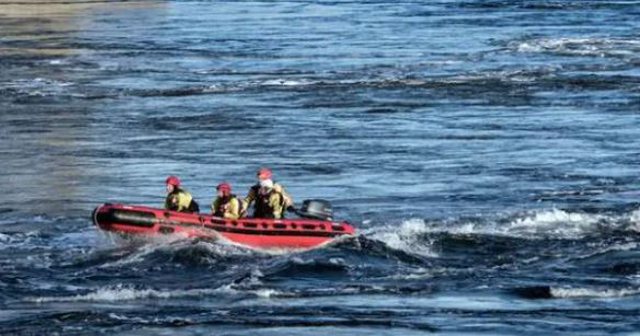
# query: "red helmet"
{"points": [[224, 187], [173, 180], [264, 173]]}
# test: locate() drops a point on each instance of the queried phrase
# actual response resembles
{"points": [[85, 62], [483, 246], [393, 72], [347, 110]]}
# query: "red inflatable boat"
{"points": [[298, 233]]}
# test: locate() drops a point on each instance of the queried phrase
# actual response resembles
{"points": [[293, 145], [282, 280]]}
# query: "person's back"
{"points": [[270, 200], [177, 198], [226, 205]]}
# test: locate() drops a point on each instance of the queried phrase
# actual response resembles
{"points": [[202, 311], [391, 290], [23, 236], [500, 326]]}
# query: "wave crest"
{"points": [[570, 293], [408, 237], [554, 223], [597, 47], [539, 224], [123, 292]]}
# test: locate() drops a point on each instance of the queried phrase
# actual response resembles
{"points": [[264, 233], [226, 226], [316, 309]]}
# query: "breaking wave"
{"points": [[553, 223], [122, 292], [571, 293], [634, 219], [179, 249], [540, 224], [576, 46], [409, 237]]}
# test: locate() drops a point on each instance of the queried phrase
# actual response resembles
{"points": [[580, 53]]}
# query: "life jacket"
{"points": [[262, 208], [219, 212], [183, 197]]}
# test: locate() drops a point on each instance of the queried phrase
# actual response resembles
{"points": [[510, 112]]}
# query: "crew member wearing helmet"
{"points": [[269, 198], [178, 199], [226, 205]]}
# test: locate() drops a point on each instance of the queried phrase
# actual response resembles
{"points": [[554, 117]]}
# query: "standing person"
{"points": [[179, 199], [226, 205], [269, 198]]}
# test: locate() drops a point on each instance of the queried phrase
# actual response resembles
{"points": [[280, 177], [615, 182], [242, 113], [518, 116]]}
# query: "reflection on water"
{"points": [[39, 45], [41, 28]]}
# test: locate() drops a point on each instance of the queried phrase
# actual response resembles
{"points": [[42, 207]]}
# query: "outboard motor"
{"points": [[316, 209]]}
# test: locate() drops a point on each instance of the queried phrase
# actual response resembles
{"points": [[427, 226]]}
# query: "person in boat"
{"points": [[226, 205], [179, 199], [270, 200]]}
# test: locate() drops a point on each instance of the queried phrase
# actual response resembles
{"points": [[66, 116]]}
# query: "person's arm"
{"points": [[287, 200], [251, 196], [171, 202], [214, 206]]}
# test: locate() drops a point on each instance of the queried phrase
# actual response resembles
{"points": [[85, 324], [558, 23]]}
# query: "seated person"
{"points": [[178, 199], [269, 198], [226, 205]]}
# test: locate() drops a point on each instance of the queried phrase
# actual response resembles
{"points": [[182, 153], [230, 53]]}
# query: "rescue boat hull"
{"points": [[298, 233]]}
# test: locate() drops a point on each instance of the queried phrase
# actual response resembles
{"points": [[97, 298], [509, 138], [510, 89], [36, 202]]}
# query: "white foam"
{"points": [[419, 273], [134, 319], [580, 46], [634, 220], [87, 237], [215, 88], [405, 237], [540, 224], [172, 244], [29, 239], [509, 76], [285, 82], [246, 249], [135, 257], [337, 261], [127, 293], [613, 248], [36, 83], [123, 293], [267, 293], [569, 293], [553, 223]]}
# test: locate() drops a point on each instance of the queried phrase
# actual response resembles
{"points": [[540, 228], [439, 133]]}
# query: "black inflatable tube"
{"points": [[137, 218]]}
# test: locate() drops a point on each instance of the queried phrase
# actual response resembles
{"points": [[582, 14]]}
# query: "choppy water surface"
{"points": [[487, 151]]}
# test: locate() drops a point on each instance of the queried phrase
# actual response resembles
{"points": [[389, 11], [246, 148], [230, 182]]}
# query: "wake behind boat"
{"points": [[296, 233]]}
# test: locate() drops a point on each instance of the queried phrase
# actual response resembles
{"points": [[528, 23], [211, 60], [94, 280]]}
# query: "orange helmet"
{"points": [[264, 173], [224, 187], [173, 180]]}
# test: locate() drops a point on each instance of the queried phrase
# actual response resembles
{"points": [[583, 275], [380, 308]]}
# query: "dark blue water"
{"points": [[487, 151]]}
